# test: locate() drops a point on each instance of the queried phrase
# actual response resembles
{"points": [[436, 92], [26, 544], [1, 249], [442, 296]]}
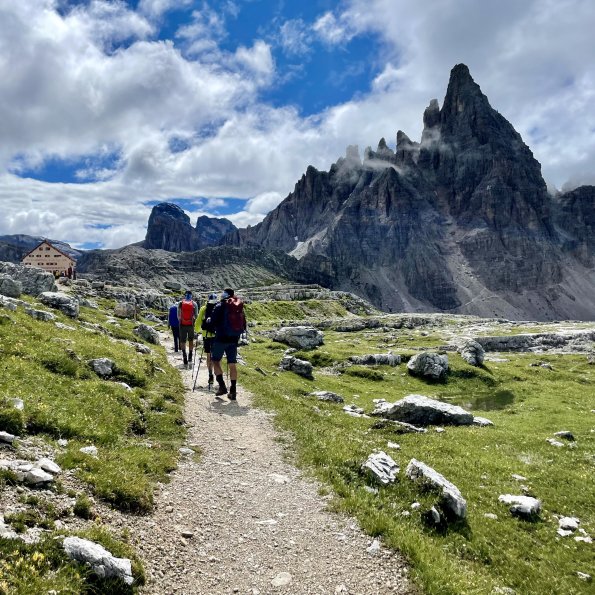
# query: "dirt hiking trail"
{"points": [[240, 519]]}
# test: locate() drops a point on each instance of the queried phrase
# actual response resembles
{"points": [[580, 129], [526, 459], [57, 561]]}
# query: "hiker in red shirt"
{"points": [[228, 322], [187, 315]]}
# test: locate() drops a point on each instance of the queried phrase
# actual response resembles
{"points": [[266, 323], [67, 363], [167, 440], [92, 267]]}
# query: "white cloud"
{"points": [[69, 91], [295, 37], [156, 8]]}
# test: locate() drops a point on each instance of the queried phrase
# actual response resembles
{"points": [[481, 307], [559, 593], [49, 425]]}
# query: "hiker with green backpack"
{"points": [[228, 323], [204, 315]]}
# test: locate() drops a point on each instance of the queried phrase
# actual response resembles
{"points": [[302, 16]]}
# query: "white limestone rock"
{"points": [[428, 365], [102, 366], [522, 506], [300, 337], [382, 468], [325, 395], [60, 301], [452, 499], [102, 562], [423, 411]]}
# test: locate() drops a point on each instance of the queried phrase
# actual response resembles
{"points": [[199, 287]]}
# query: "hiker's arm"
{"points": [[180, 312], [201, 316]]}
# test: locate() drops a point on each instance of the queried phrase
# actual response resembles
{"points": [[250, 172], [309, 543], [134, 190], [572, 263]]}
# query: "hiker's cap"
{"points": [[213, 297], [224, 295]]}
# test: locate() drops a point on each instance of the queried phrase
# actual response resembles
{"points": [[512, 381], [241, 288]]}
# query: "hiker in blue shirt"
{"points": [[174, 324]]}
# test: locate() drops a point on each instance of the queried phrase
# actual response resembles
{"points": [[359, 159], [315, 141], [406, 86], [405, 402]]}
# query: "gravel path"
{"points": [[243, 520]]}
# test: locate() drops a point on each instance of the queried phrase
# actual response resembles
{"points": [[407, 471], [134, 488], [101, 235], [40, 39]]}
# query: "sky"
{"points": [[108, 107]]}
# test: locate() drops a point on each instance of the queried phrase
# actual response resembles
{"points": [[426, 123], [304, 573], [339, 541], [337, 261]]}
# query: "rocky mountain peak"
{"points": [[170, 229], [432, 114]]}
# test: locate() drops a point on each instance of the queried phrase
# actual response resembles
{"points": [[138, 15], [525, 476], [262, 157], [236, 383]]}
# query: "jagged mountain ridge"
{"points": [[460, 221], [170, 229]]}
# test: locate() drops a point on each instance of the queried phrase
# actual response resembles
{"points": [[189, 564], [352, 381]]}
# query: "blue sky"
{"points": [[108, 107]]}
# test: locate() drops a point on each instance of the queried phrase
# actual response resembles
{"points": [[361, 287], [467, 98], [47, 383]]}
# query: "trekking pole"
{"points": [[198, 369]]}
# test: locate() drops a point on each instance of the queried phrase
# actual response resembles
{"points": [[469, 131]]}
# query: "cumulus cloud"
{"points": [[150, 119]]}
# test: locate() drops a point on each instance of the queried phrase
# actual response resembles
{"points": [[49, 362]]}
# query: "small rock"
{"points": [[187, 534], [102, 366], [393, 445], [62, 442], [584, 539], [569, 523], [282, 579], [473, 353], [371, 490], [17, 404], [325, 395], [353, 410], [374, 549], [428, 365], [185, 451], [523, 506], [281, 479], [566, 435], [555, 443], [482, 422], [435, 516], [439, 430], [297, 366], [518, 477], [491, 515], [148, 333], [415, 506], [102, 562], [382, 467], [48, 465], [89, 450], [584, 576], [6, 437], [37, 477], [563, 532]]}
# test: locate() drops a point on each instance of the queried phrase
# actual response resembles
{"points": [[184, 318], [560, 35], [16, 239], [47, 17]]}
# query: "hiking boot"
{"points": [[231, 395], [185, 357], [211, 379], [222, 390]]}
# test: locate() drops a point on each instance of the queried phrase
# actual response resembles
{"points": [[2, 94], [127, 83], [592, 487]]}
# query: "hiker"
{"points": [[69, 272], [229, 323], [187, 315], [204, 315], [174, 324]]}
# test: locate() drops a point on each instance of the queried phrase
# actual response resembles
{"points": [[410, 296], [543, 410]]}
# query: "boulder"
{"points": [[102, 366], [522, 506], [472, 352], [452, 501], [9, 287], [148, 333], [173, 285], [60, 301], [376, 359], [298, 366], [17, 403], [353, 410], [300, 337], [428, 365], [102, 562], [33, 281], [8, 303], [381, 467], [98, 284], [36, 477], [423, 411], [42, 315], [325, 395], [48, 465], [125, 310]]}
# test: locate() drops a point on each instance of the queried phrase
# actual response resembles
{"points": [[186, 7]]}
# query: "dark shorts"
{"points": [[186, 333], [229, 349], [207, 344]]}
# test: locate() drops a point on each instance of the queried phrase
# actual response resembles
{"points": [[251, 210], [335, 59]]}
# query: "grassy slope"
{"points": [[137, 432], [533, 403]]}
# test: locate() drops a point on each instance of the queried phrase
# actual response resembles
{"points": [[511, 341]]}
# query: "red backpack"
{"points": [[234, 320], [187, 312]]}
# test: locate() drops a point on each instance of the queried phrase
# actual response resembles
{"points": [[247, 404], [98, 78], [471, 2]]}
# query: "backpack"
{"points": [[187, 312], [234, 321], [208, 313]]}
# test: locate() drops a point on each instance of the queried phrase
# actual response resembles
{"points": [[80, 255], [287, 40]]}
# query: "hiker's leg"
{"points": [[176, 333], [233, 372]]}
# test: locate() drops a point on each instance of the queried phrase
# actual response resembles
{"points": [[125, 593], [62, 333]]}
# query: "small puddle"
{"points": [[499, 399]]}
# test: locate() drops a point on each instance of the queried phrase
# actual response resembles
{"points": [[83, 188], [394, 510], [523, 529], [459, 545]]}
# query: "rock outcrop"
{"points": [[299, 337], [60, 301], [32, 281], [423, 411], [428, 365], [170, 229]]}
